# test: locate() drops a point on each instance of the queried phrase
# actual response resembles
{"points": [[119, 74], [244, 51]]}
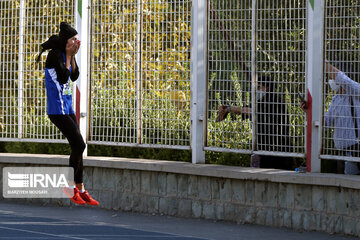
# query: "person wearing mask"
{"points": [[60, 68], [272, 125], [343, 115]]}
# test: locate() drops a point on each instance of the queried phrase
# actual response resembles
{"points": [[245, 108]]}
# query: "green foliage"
{"points": [[224, 158], [140, 77], [145, 153], [35, 148]]}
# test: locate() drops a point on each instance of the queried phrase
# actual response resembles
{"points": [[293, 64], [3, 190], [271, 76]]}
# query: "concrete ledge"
{"points": [[310, 202], [228, 172]]}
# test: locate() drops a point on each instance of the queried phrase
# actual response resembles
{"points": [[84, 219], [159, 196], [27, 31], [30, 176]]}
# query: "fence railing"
{"points": [[342, 29], [24, 25], [140, 82], [248, 40], [158, 71]]}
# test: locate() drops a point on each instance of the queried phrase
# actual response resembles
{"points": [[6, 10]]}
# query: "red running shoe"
{"points": [[88, 199], [74, 195]]}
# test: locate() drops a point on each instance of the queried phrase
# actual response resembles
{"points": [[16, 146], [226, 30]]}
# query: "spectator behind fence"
{"points": [[60, 67], [343, 115], [272, 126]]}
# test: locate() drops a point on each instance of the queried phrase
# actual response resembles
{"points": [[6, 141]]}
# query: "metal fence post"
{"points": [[198, 78], [82, 107], [21, 71], [253, 72], [314, 78], [139, 72]]}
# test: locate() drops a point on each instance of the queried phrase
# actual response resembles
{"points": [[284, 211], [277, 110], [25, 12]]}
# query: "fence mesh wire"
{"points": [[24, 26], [41, 20], [140, 84], [9, 49], [281, 38], [113, 62], [140, 70], [280, 56], [166, 72], [229, 64], [342, 30]]}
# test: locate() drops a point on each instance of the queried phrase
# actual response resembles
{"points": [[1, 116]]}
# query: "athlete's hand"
{"points": [[72, 47], [222, 113], [77, 46]]}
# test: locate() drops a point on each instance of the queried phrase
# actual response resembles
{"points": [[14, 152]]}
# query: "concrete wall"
{"points": [[321, 202]]}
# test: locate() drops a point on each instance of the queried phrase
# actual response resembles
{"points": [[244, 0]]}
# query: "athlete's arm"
{"points": [[55, 60], [75, 70]]}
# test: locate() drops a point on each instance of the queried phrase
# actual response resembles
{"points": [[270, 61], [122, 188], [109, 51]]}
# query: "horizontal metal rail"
{"points": [[120, 144]]}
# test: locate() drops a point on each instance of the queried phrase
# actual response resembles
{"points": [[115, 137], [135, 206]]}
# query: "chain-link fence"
{"points": [[229, 77], [9, 55], [24, 26], [251, 45], [139, 71], [114, 71], [341, 106]]}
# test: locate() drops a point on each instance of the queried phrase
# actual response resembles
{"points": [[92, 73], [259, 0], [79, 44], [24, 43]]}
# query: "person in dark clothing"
{"points": [[60, 67], [272, 125]]}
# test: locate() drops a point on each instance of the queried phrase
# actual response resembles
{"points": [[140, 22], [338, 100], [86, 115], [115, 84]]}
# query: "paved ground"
{"points": [[20, 221]]}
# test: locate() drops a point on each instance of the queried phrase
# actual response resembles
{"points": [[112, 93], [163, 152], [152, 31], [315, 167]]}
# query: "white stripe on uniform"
{"points": [[53, 75]]}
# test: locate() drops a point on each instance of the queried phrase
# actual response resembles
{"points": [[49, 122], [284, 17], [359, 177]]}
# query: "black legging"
{"points": [[68, 125]]}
